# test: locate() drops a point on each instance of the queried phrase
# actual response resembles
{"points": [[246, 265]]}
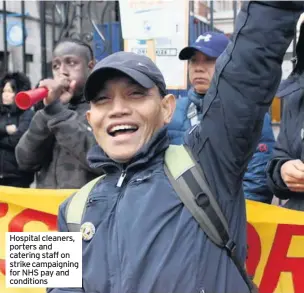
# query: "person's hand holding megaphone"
{"points": [[58, 89]]}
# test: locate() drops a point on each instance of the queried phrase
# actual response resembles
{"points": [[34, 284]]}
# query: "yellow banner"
{"points": [[275, 236]]}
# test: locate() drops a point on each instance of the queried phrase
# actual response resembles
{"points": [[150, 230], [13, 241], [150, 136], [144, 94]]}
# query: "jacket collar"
{"points": [[292, 84], [196, 99], [12, 109], [76, 101], [150, 154]]}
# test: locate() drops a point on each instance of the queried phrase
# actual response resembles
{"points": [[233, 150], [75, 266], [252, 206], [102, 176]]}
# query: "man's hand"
{"points": [[292, 173], [63, 90], [11, 129]]}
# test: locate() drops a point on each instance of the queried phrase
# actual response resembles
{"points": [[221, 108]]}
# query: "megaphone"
{"points": [[25, 100]]}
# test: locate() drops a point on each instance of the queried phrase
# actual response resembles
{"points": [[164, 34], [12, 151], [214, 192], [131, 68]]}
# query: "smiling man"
{"points": [[137, 235], [126, 112]]}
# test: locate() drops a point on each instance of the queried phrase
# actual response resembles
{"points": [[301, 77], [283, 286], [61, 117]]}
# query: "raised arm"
{"points": [[245, 81]]}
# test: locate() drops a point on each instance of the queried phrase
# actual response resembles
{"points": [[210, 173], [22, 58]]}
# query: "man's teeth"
{"points": [[122, 127]]}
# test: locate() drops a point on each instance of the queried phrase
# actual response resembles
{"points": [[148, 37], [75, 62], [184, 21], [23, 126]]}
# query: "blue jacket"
{"points": [[255, 181], [291, 87], [145, 240]]}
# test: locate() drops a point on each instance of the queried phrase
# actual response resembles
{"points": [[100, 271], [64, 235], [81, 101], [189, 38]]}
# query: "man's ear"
{"points": [[88, 115], [92, 64], [168, 107]]}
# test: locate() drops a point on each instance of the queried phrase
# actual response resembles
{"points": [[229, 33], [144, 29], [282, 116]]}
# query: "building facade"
{"points": [[30, 29]]}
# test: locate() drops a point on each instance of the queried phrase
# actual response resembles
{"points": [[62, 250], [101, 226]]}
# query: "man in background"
{"points": [[56, 143], [202, 56]]}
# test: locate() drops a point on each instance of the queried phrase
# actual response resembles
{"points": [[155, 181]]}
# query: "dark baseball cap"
{"points": [[138, 67], [211, 44]]}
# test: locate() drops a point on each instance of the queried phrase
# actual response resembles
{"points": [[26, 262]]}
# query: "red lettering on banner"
{"points": [[19, 221], [279, 262], [3, 209], [254, 250]]}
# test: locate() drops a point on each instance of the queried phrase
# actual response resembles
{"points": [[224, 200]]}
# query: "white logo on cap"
{"points": [[143, 65], [206, 38]]}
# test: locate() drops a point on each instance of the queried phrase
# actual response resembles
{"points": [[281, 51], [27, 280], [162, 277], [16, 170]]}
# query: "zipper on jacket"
{"points": [[59, 150], [91, 201], [118, 272], [121, 178]]}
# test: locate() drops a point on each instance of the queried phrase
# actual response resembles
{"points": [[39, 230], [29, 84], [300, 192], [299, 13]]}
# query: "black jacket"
{"points": [[56, 144], [8, 165], [290, 142]]}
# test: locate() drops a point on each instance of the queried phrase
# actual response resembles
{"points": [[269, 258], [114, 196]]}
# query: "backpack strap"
{"points": [[189, 182], [75, 209]]}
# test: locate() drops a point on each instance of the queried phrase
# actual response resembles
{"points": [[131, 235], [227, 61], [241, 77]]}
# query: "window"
{"points": [[28, 61]]}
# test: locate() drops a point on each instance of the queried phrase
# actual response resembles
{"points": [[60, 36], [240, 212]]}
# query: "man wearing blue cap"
{"points": [[202, 55], [139, 236]]}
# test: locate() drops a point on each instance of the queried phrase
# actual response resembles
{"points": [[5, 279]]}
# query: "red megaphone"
{"points": [[25, 100]]}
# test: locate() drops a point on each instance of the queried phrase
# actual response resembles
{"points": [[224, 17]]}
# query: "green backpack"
{"points": [[189, 182]]}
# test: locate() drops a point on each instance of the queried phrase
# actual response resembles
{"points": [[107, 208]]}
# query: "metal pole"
{"points": [[4, 38], [191, 19], [81, 19], [43, 40], [110, 29], [23, 36], [53, 25], [117, 18], [234, 12], [211, 15]]}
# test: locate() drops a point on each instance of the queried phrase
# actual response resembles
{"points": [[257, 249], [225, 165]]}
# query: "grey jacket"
{"points": [[145, 240], [56, 145]]}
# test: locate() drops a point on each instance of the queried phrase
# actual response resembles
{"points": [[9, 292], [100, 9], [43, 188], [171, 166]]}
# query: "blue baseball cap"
{"points": [[138, 67], [211, 44]]}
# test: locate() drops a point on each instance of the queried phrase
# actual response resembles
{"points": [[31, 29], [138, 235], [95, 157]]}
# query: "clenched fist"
{"points": [[11, 129], [292, 173], [63, 90]]}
